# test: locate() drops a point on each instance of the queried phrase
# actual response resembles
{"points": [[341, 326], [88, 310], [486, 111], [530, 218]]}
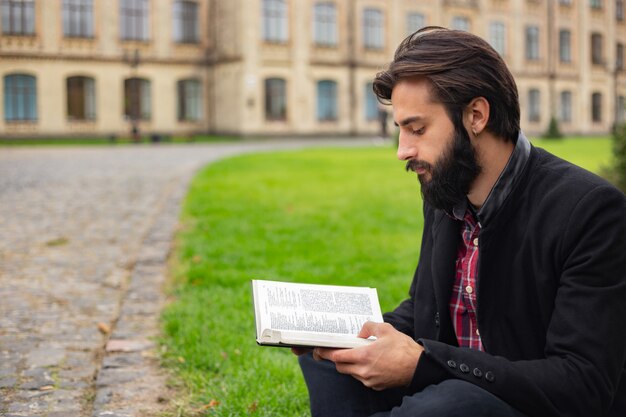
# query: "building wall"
{"points": [[232, 61]]}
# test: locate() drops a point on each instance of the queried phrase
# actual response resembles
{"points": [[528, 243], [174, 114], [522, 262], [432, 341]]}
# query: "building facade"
{"points": [[284, 67]]}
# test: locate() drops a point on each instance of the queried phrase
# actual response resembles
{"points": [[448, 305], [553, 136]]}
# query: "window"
{"points": [[134, 20], [275, 99], [78, 18], [621, 109], [619, 10], [497, 36], [596, 49], [461, 23], [596, 107], [534, 114], [566, 106], [275, 21], [414, 22], [186, 22], [373, 29], [595, 4], [81, 98], [532, 43], [565, 45], [189, 100], [371, 103], [326, 100], [619, 56], [20, 98], [18, 17], [565, 2], [137, 99], [325, 24]]}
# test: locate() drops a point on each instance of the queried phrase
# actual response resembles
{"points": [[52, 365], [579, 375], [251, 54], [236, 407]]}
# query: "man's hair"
{"points": [[460, 67]]}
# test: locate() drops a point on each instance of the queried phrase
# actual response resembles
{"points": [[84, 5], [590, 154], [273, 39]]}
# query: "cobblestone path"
{"points": [[84, 238]]}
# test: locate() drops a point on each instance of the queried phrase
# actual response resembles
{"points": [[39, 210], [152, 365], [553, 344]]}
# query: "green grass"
{"points": [[341, 216]]}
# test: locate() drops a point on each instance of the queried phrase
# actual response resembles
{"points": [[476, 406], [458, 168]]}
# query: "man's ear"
{"points": [[476, 116]]}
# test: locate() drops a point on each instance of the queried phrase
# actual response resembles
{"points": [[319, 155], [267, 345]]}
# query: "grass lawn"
{"points": [[340, 216]]}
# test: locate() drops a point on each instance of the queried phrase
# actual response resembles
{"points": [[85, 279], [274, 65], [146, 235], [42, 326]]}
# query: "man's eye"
{"points": [[419, 131]]}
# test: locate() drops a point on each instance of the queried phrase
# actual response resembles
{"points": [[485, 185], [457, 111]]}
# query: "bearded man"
{"points": [[518, 303]]}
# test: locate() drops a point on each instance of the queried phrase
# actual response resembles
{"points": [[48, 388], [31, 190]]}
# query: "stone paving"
{"points": [[85, 233]]}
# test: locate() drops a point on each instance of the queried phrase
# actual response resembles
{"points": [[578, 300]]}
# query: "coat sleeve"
{"points": [[585, 350]]}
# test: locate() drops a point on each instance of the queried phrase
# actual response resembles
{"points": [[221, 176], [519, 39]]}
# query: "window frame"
{"points": [[534, 105], [185, 21], [532, 43], [21, 90], [373, 28], [82, 89], [325, 24], [189, 99], [134, 20], [27, 17], [275, 94], [78, 21], [327, 106], [565, 113], [137, 98], [497, 36], [275, 23], [596, 107]]}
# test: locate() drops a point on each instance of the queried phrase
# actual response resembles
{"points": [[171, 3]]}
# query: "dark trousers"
{"points": [[336, 395]]}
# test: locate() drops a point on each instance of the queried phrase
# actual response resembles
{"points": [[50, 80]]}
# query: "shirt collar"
{"points": [[503, 186]]}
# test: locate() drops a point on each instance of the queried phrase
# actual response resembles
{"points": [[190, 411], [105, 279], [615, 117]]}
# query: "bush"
{"points": [[618, 174], [553, 131]]}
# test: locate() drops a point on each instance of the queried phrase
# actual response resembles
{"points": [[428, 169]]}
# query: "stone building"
{"points": [[284, 67]]}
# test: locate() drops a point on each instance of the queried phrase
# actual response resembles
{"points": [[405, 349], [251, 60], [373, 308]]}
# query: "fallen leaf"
{"points": [[213, 403], [224, 355], [104, 328], [181, 359], [46, 388], [253, 407]]}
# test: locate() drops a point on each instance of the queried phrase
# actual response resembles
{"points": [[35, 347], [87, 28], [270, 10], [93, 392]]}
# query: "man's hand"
{"points": [[388, 362]]}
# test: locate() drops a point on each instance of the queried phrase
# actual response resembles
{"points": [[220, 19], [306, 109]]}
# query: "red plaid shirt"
{"points": [[464, 291]]}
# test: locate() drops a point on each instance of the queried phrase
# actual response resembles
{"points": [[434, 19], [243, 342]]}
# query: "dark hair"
{"points": [[460, 67]]}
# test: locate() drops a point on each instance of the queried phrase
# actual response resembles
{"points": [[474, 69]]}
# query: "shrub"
{"points": [[553, 131], [619, 157]]}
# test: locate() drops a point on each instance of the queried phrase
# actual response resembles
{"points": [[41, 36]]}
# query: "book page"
{"points": [[323, 309]]}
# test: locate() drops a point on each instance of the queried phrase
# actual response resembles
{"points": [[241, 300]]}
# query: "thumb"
{"points": [[371, 328]]}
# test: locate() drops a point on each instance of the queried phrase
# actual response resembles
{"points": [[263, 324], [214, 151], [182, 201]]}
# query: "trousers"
{"points": [[333, 394]]}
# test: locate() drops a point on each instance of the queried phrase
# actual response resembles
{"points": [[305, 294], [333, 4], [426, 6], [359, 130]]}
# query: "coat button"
{"points": [[437, 320], [452, 364], [477, 373], [464, 368], [490, 377]]}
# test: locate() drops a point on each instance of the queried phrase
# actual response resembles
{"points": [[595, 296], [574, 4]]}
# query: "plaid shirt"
{"points": [[465, 289]]}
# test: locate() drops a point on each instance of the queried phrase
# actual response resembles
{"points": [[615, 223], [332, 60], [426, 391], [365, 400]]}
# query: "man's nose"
{"points": [[406, 148]]}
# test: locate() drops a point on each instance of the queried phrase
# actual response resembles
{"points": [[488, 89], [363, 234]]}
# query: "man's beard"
{"points": [[452, 175]]}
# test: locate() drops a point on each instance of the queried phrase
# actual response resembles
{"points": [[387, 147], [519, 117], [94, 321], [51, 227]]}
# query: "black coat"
{"points": [[551, 296]]}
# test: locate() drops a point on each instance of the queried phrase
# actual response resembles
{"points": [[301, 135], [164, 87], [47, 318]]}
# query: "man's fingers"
{"points": [[371, 328]]}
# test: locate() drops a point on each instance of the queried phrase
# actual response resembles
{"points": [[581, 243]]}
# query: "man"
{"points": [[518, 303]]}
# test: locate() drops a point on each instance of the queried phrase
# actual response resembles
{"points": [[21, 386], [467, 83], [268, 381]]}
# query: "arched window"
{"points": [[137, 98], [275, 99], [20, 98], [189, 100], [371, 103], [275, 27], [596, 107], [81, 98], [325, 24], [326, 100], [534, 105]]}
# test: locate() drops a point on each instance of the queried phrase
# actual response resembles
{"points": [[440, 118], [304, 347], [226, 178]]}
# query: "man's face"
{"points": [[441, 155]]}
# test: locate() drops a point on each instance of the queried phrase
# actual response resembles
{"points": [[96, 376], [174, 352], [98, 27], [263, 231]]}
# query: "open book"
{"points": [[309, 315]]}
